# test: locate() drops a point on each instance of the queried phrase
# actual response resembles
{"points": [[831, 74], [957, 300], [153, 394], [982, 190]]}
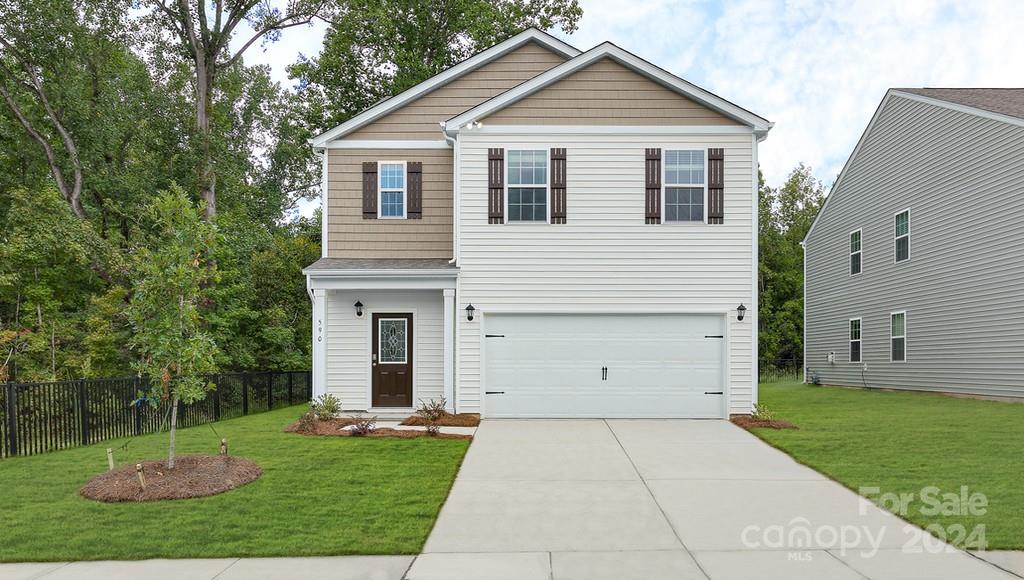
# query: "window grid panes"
{"points": [[898, 336], [528, 189], [902, 236], [855, 340], [392, 190], [855, 253], [684, 185]]}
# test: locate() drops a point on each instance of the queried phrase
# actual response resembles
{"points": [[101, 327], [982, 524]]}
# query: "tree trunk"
{"points": [[207, 175], [174, 430]]}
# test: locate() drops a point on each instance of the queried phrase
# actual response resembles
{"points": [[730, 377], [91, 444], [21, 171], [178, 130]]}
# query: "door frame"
{"points": [[369, 354], [726, 346]]}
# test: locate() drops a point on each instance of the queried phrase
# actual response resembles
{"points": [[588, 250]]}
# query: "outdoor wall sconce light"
{"points": [[469, 312], [741, 311], [359, 308]]}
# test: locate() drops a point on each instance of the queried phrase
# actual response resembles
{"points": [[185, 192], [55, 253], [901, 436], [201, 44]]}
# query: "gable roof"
{"points": [[1003, 101], [980, 102], [472, 63], [625, 58]]}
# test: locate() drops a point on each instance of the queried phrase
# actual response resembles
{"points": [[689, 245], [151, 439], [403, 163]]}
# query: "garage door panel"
{"points": [[551, 365]]}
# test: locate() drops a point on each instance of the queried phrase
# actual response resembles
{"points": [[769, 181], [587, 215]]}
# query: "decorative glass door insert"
{"points": [[393, 340]]}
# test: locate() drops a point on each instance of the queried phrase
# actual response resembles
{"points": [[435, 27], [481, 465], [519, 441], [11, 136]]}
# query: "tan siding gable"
{"points": [[419, 119], [607, 93], [351, 236]]}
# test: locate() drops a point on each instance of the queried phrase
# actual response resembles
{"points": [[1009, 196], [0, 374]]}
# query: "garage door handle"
{"points": [[494, 392], [494, 336], [714, 392], [604, 373], [714, 336]]}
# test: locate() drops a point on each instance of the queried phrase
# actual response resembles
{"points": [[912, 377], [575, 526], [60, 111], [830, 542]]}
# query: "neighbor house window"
{"points": [[684, 185], [527, 186], [898, 336], [902, 225], [392, 189], [855, 253], [855, 340]]}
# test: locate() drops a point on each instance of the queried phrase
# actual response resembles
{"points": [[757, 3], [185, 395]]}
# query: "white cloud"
{"points": [[818, 69]]}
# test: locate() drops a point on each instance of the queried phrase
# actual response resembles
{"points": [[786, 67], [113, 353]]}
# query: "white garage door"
{"points": [[604, 365]]}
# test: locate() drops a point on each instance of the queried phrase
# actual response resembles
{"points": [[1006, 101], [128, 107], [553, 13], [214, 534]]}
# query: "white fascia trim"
{"points": [[608, 50], [960, 108], [681, 130], [383, 144], [397, 273], [473, 62]]}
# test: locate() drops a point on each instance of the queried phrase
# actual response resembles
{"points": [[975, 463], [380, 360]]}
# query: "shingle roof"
{"points": [[380, 264], [1004, 101]]}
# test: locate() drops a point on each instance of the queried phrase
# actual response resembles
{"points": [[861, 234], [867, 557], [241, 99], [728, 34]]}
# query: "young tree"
{"points": [[173, 273]]}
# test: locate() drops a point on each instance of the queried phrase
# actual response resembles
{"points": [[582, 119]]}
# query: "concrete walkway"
{"points": [[647, 499], [651, 500]]}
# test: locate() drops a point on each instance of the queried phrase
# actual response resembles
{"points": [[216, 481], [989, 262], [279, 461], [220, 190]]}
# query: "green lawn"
{"points": [[903, 442], [317, 496]]}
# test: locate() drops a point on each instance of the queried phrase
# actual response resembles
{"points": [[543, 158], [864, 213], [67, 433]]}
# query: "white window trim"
{"points": [[895, 238], [904, 337], [859, 341], [665, 185], [405, 190], [547, 186], [849, 262], [405, 352]]}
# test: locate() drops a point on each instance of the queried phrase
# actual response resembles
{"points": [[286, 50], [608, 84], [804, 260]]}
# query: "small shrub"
{"points": [[363, 425], [326, 407], [307, 423], [763, 413], [432, 412]]}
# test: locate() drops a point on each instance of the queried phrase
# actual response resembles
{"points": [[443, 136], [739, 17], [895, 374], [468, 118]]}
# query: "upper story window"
{"points": [[855, 252], [684, 185], [855, 340], [898, 337], [527, 186], [392, 188], [902, 233]]}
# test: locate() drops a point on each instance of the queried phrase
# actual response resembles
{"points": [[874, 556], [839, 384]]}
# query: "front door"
{"points": [[392, 360]]}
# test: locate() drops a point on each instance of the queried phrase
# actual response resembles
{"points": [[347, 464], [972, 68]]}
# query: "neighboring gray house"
{"points": [[915, 264]]}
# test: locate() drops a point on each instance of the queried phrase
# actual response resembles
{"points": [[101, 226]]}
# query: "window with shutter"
{"points": [[496, 186], [558, 169], [370, 190], [716, 186], [414, 169], [652, 172]]}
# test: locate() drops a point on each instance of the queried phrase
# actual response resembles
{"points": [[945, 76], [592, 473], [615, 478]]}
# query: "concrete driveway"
{"points": [[656, 499]]}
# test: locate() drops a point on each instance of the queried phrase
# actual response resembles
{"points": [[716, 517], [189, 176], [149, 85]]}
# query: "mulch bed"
{"points": [[192, 476], [333, 428], [449, 420], [748, 422]]}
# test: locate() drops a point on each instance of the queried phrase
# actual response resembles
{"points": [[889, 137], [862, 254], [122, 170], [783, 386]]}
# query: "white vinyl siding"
{"points": [[605, 259], [348, 342], [855, 340], [901, 239], [856, 254]]}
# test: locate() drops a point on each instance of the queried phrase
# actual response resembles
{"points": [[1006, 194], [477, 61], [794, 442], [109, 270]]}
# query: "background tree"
{"points": [[173, 346], [786, 213]]}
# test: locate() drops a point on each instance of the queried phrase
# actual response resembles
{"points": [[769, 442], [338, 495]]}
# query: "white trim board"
{"points": [[625, 58], [443, 78], [642, 130], [387, 144]]}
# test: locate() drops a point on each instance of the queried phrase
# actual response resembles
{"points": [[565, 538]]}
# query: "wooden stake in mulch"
{"points": [[110, 459], [142, 476], [223, 446]]}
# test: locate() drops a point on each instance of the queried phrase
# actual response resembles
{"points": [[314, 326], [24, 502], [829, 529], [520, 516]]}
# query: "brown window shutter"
{"points": [[653, 197], [414, 175], [558, 186], [716, 186], [496, 186], [370, 190]]}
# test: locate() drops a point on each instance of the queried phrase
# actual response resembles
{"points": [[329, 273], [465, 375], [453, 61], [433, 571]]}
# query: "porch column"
{"points": [[319, 342], [449, 348]]}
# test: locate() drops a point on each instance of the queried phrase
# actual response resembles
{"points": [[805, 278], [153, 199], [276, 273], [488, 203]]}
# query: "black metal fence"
{"points": [[780, 370], [40, 417]]}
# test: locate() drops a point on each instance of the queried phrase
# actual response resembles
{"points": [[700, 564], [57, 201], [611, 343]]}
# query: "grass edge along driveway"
{"points": [[318, 496], [903, 442]]}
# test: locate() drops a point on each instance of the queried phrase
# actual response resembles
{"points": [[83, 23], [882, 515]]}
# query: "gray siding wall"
{"points": [[962, 178]]}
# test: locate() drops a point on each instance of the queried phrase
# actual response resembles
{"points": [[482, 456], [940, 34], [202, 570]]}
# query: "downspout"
{"points": [[456, 188]]}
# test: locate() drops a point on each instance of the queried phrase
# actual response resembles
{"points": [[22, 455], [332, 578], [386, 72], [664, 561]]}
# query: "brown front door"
{"points": [[392, 360]]}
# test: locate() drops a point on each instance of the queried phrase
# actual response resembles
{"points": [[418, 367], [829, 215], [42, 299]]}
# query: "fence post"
{"points": [[245, 392], [137, 407], [290, 376], [12, 419], [83, 408], [309, 385]]}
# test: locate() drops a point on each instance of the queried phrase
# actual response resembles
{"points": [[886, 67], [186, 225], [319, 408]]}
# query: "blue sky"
{"points": [[818, 69]]}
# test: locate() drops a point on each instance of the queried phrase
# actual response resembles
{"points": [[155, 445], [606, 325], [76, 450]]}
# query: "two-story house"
{"points": [[915, 264], [541, 232]]}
